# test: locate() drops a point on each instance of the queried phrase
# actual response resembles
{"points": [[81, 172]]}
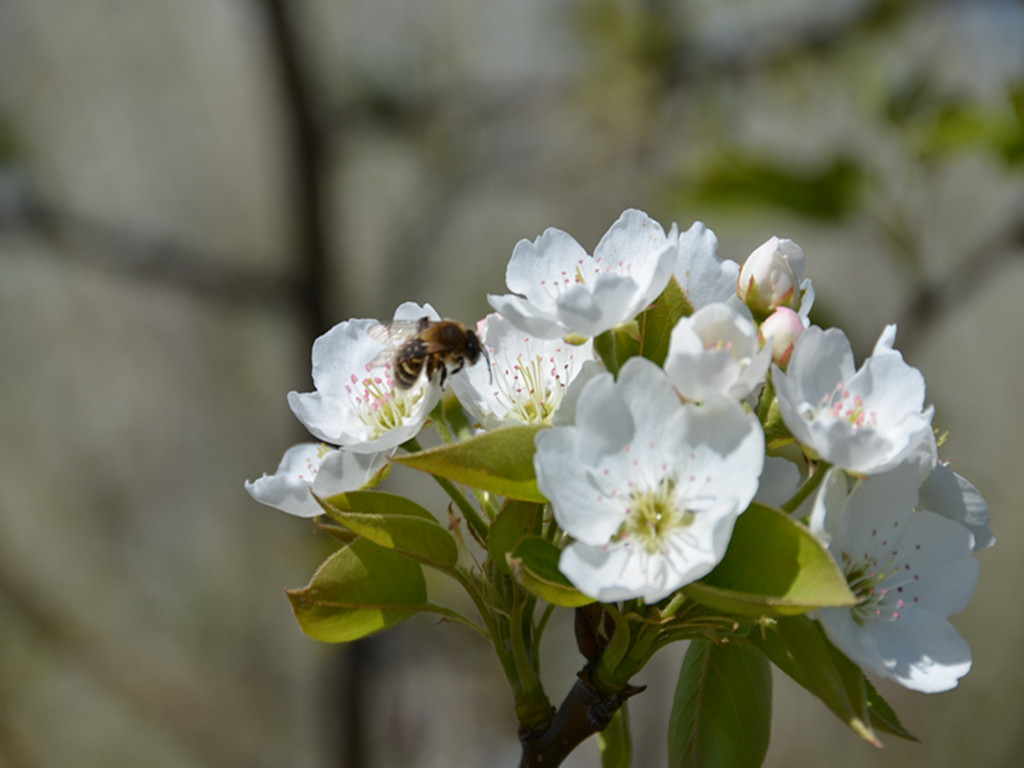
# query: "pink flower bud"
{"points": [[771, 275], [783, 327]]}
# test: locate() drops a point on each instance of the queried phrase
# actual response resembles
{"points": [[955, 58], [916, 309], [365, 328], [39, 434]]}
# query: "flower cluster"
{"points": [[671, 391]]}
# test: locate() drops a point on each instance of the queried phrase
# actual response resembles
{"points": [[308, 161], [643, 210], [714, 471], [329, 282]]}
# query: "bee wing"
{"points": [[392, 336]]}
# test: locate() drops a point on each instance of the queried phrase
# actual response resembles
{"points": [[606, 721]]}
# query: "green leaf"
{"points": [[516, 521], [658, 320], [615, 741], [617, 345], [499, 461], [882, 715], [394, 522], [359, 590], [799, 647], [534, 563], [774, 567], [722, 709], [339, 532]]}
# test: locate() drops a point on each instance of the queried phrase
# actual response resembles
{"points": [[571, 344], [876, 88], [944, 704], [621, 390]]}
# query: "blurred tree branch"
{"points": [[308, 161], [116, 250], [935, 300]]}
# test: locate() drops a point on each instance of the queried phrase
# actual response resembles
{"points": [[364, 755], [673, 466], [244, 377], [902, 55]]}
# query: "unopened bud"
{"points": [[771, 275], [782, 327]]}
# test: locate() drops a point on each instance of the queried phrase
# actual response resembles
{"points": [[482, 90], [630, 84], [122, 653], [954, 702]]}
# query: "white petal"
{"points": [[878, 504], [649, 396], [604, 424], [346, 348], [566, 413], [607, 574], [580, 505], [890, 388], [925, 652], [820, 360], [885, 342], [410, 310], [288, 489], [342, 471], [950, 495], [944, 568], [592, 309], [327, 419], [829, 505], [702, 275], [779, 481], [727, 450], [525, 316], [539, 270], [618, 573], [638, 243]]}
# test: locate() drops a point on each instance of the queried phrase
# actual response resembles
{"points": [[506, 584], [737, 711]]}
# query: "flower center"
{"points": [[579, 274], [651, 515], [379, 404], [843, 405], [531, 388], [881, 588]]}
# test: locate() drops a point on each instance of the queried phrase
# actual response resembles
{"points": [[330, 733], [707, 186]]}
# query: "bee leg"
{"points": [[431, 366]]}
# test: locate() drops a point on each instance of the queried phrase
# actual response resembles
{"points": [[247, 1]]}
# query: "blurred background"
{"points": [[190, 192]]}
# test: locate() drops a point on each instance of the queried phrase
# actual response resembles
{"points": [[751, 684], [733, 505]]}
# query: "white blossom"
{"points": [[565, 291], [529, 378], [648, 487], [716, 351], [866, 421], [357, 404], [910, 570]]}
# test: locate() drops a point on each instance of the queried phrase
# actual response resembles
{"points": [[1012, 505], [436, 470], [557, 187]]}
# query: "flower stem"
{"points": [[808, 488], [476, 522]]}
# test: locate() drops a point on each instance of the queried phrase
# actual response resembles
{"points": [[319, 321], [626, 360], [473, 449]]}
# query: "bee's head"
{"points": [[475, 350]]}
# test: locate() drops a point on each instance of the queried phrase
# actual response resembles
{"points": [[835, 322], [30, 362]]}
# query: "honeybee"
{"points": [[428, 344]]}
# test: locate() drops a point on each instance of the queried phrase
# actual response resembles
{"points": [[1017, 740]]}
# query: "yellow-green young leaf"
{"points": [[534, 563], [774, 567], [394, 522], [722, 708], [616, 742], [658, 320], [499, 461], [359, 590], [516, 521], [799, 647]]}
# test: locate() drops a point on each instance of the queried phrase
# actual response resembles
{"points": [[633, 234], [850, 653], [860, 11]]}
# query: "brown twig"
{"points": [[584, 712]]}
